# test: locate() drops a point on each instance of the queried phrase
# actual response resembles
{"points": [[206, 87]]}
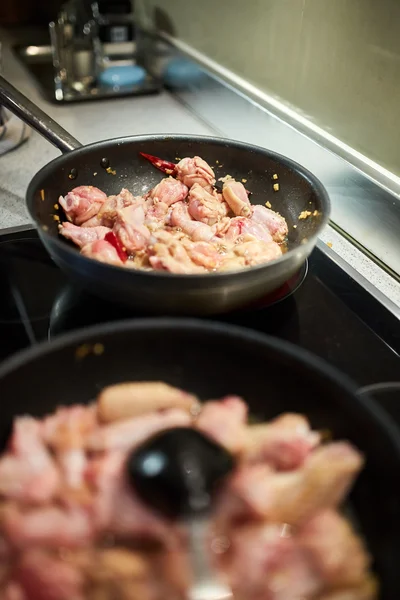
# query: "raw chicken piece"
{"points": [[169, 254], [45, 577], [5, 549], [93, 222], [274, 222], [73, 463], [195, 170], [236, 197], [116, 507], [257, 252], [232, 262], [13, 591], [132, 518], [156, 215], [168, 191], [69, 427], [32, 481], [174, 573], [241, 229], [26, 438], [264, 562], [82, 203], [334, 549], [117, 574], [205, 207], [131, 432], [132, 399], [130, 229], [197, 231], [292, 497], [47, 526], [28, 472], [82, 235], [323, 482], [284, 443], [108, 212], [204, 254], [102, 251], [368, 590], [225, 421], [121, 563]]}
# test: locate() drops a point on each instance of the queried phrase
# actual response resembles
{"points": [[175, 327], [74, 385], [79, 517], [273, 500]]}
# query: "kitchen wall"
{"points": [[336, 61]]}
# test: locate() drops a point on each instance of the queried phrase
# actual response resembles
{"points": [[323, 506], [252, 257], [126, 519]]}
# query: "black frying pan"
{"points": [[212, 360], [163, 292]]}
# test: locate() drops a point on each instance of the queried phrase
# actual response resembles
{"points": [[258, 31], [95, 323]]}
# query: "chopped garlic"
{"points": [[276, 187], [268, 204], [305, 214], [274, 176], [98, 349], [226, 178]]}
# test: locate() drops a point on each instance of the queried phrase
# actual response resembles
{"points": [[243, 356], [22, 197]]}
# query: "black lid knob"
{"points": [[177, 471]]}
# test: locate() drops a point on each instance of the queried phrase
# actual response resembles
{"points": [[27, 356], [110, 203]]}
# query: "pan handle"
{"points": [[31, 114]]}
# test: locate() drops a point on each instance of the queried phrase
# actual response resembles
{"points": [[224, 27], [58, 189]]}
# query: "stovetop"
{"points": [[330, 314]]}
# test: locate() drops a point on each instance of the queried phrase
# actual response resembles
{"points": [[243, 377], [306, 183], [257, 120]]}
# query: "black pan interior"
{"points": [[212, 360], [114, 164]]}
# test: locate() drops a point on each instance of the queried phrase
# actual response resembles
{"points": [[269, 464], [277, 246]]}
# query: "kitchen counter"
{"points": [[90, 122]]}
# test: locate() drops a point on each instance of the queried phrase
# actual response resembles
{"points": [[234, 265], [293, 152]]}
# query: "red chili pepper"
{"points": [[112, 239], [164, 165]]}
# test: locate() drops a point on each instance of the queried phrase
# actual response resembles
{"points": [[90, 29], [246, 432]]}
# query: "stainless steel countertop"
{"points": [[162, 113]]}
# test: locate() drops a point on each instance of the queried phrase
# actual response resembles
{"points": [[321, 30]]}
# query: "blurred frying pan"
{"points": [[212, 360]]}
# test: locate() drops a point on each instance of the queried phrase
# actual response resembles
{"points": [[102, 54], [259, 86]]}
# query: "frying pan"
{"points": [[113, 164], [213, 359]]}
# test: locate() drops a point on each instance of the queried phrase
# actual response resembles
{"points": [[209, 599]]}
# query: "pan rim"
{"points": [[302, 356], [311, 179]]}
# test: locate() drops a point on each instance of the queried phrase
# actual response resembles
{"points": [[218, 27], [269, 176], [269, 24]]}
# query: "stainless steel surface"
{"points": [[365, 199], [16, 229], [21, 106], [52, 77], [367, 285]]}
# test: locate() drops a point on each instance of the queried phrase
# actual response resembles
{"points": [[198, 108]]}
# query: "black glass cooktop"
{"points": [[329, 313]]}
